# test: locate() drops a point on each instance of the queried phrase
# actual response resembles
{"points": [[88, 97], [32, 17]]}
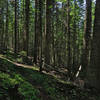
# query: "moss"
{"points": [[25, 88], [28, 91], [33, 85], [23, 53]]}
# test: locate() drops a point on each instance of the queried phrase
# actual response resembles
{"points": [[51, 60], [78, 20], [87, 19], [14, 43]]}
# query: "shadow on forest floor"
{"points": [[27, 83]]}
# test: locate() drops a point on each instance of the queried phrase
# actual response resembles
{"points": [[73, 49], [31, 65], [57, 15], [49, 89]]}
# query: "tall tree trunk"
{"points": [[1, 29], [94, 68], [69, 37], [24, 30], [36, 42], [48, 31], [6, 37], [40, 30], [16, 35], [27, 4], [87, 37], [74, 40], [56, 32]]}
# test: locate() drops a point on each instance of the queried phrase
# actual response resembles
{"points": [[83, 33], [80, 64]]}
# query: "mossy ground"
{"points": [[33, 85]]}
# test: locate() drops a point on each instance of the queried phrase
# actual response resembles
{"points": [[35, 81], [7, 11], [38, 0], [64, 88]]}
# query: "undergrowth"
{"points": [[29, 84]]}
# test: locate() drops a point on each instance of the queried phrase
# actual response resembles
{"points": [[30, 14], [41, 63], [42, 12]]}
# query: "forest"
{"points": [[49, 49]]}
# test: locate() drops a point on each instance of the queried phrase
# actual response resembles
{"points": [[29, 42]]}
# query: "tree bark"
{"points": [[36, 35], [48, 33], [87, 37], [40, 31], [16, 35], [69, 37], [94, 68], [7, 22], [27, 4]]}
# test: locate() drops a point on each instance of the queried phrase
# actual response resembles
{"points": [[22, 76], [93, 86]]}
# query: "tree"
{"points": [[16, 35], [69, 37], [1, 28], [40, 32], [93, 73], [37, 32], [27, 4], [87, 36], [48, 27], [7, 24]]}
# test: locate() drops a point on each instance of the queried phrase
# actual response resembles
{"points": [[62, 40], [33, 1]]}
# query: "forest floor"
{"points": [[24, 82]]}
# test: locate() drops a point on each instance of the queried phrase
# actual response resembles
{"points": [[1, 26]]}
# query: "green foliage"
{"points": [[32, 85], [28, 91], [34, 77], [20, 60], [25, 88], [23, 53]]}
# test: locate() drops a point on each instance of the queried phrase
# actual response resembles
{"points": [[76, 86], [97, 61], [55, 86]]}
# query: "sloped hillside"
{"points": [[19, 83]]}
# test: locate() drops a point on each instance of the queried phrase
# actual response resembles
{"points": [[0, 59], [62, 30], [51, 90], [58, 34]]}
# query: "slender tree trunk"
{"points": [[57, 27], [27, 4], [1, 29], [69, 37], [24, 29], [6, 38], [40, 30], [37, 32], [35, 42], [74, 40], [16, 41]]}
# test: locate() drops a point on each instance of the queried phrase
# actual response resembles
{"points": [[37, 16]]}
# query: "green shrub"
{"points": [[28, 91], [25, 88], [23, 53]]}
